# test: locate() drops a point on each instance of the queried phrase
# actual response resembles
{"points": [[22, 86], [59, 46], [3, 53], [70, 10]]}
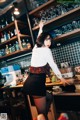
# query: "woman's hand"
{"points": [[64, 82], [41, 24]]}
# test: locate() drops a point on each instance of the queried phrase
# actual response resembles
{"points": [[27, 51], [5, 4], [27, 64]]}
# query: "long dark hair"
{"points": [[40, 40]]}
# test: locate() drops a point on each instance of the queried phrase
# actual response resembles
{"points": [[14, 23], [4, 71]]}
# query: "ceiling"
{"points": [[5, 6]]}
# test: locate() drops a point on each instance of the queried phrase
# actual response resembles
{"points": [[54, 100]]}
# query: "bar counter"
{"points": [[64, 101]]}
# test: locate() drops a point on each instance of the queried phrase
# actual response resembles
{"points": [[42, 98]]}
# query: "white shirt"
{"points": [[43, 55]]}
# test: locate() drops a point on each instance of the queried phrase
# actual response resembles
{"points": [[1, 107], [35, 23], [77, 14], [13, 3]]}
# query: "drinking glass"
{"points": [[64, 29], [74, 24], [78, 23], [58, 32], [69, 27], [35, 22]]}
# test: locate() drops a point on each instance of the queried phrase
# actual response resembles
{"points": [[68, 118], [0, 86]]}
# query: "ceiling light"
{"points": [[16, 10]]}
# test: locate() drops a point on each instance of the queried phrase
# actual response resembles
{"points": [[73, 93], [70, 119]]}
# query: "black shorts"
{"points": [[35, 85]]}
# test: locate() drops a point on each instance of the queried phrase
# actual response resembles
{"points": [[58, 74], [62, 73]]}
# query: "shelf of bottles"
{"points": [[9, 48], [72, 34], [15, 53], [54, 13], [9, 35], [67, 31], [59, 14], [13, 38], [37, 6]]}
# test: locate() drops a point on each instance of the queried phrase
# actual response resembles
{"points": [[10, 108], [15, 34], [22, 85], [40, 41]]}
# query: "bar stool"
{"points": [[52, 110]]}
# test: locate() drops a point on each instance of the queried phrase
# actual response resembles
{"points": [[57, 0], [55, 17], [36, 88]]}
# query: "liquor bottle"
{"points": [[2, 37], [24, 45], [12, 18], [8, 35], [5, 36], [7, 50], [28, 44], [10, 48], [13, 48], [15, 32], [2, 23], [6, 23], [12, 34], [17, 46]]}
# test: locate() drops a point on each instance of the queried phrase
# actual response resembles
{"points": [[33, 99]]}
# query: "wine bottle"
{"points": [[7, 50], [17, 46], [24, 45]]}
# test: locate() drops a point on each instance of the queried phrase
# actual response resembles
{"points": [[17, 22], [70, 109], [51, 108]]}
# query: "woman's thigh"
{"points": [[40, 103]]}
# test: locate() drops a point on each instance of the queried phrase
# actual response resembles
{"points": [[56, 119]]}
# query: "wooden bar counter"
{"points": [[64, 101]]}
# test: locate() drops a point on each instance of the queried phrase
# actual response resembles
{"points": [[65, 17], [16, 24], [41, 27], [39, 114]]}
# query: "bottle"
{"points": [[15, 32], [8, 35], [13, 48], [12, 18], [10, 48], [2, 38], [5, 36], [12, 34], [17, 46], [28, 44], [2, 23], [24, 45], [6, 23], [7, 50]]}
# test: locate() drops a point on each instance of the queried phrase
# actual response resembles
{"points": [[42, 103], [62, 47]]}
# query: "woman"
{"points": [[35, 83]]}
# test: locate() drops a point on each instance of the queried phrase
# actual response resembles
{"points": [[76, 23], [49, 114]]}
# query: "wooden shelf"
{"points": [[10, 40], [14, 38], [12, 25], [68, 35], [41, 7], [8, 26], [16, 53], [75, 12], [22, 35]]}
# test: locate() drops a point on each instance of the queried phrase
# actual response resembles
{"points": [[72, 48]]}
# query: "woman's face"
{"points": [[47, 41]]}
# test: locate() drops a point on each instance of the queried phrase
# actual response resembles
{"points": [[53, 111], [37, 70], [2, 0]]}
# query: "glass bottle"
{"points": [[28, 44], [5, 36], [17, 46], [6, 22], [24, 45], [12, 34], [8, 35], [10, 48], [12, 18], [13, 48], [2, 23], [7, 50], [15, 32], [2, 37]]}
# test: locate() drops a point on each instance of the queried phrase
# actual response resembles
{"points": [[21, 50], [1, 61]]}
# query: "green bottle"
{"points": [[17, 46], [24, 45], [7, 50]]}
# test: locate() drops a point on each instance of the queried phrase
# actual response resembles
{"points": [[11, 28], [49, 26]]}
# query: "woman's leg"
{"points": [[49, 98], [40, 103]]}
